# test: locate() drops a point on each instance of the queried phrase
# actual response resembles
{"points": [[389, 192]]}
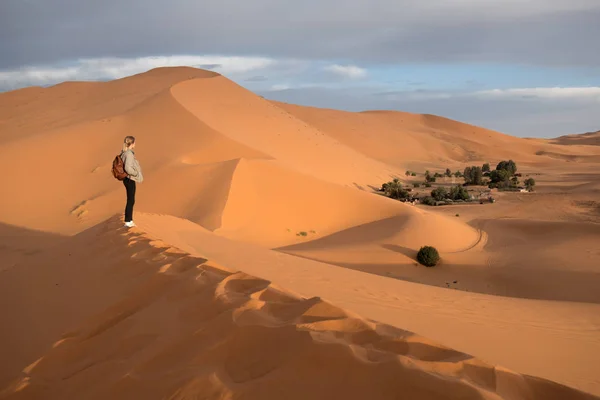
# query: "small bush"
{"points": [[509, 166], [428, 256], [416, 185], [413, 174], [395, 190], [473, 175], [529, 184], [439, 193], [427, 184], [301, 234], [457, 215], [458, 193], [428, 201]]}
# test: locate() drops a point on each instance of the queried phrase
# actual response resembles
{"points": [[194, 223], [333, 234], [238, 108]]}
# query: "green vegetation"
{"points": [[439, 194], [428, 256], [499, 177], [503, 177], [428, 201], [429, 177], [301, 233], [529, 184], [510, 166], [458, 192], [473, 176], [394, 190]]}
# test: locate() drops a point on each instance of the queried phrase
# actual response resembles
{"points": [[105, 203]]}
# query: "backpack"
{"points": [[118, 168]]}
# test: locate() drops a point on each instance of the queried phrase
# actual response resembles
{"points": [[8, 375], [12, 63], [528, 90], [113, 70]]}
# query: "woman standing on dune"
{"points": [[134, 175]]}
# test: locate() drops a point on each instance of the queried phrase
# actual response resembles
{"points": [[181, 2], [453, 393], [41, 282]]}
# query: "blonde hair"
{"points": [[129, 140]]}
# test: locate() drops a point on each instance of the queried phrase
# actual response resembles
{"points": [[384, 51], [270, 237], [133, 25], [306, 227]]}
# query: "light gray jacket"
{"points": [[132, 166]]}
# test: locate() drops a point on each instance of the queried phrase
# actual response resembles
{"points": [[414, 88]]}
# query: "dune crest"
{"points": [[243, 116], [421, 141], [582, 139], [182, 326]]}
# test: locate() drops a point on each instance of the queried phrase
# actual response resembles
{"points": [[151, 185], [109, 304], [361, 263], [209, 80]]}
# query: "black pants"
{"points": [[130, 188]]}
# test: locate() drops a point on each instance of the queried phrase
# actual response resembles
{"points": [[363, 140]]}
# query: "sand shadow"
{"points": [[408, 252]]}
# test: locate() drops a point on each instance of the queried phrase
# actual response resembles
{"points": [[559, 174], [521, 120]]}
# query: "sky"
{"points": [[527, 68]]}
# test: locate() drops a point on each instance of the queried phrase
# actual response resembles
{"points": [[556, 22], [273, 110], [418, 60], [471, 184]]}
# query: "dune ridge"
{"points": [[181, 326], [581, 139], [420, 141]]}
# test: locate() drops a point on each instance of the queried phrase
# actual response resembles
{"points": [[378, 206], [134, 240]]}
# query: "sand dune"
{"points": [[33, 110], [180, 326], [195, 302], [512, 257], [257, 123], [79, 172], [583, 139], [417, 142]]}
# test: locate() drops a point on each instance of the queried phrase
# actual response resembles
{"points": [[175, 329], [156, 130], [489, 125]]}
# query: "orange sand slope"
{"points": [[416, 142], [152, 321], [583, 139]]}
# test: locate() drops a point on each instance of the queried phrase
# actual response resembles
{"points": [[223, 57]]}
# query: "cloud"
{"points": [[257, 78], [592, 92], [357, 31], [589, 94], [347, 71], [114, 68], [280, 87]]}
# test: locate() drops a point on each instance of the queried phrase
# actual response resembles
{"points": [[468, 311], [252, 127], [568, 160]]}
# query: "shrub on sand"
{"points": [[428, 256]]}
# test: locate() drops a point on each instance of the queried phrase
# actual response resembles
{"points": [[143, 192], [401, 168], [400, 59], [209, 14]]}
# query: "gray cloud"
{"points": [[209, 66], [541, 32], [258, 78]]}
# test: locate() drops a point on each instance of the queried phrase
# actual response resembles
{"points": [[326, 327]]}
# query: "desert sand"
{"points": [[589, 138], [265, 265]]}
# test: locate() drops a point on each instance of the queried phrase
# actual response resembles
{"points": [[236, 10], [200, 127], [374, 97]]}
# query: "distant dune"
{"points": [[586, 139], [416, 141], [265, 265]]}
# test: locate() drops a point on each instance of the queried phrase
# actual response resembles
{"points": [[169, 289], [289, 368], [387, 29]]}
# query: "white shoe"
{"points": [[129, 224]]}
